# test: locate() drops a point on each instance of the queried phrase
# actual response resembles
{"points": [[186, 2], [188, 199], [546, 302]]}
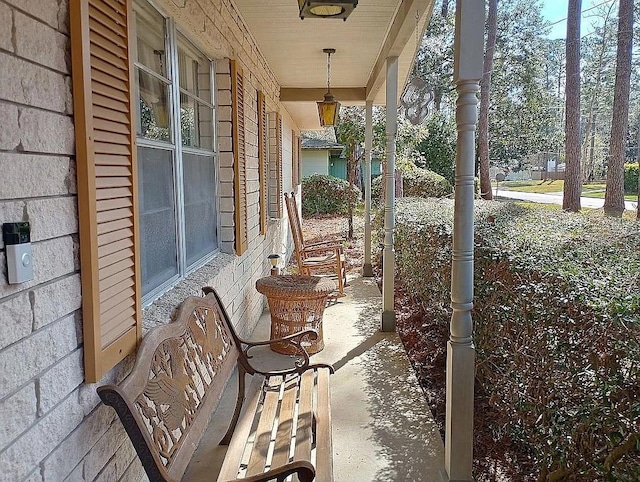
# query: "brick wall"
{"points": [[52, 426], [40, 336]]}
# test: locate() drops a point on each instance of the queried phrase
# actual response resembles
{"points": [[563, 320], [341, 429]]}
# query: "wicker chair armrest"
{"points": [[305, 470]]}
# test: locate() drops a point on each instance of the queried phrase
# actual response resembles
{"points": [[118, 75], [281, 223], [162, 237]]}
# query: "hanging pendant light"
{"points": [[329, 108], [326, 8]]}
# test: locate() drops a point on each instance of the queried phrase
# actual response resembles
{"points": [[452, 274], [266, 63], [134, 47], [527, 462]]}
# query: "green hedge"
{"points": [[631, 178], [557, 327], [416, 182], [327, 195]]}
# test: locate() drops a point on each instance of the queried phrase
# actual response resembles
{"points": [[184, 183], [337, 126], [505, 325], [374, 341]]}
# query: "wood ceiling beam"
{"points": [[342, 94], [401, 31]]}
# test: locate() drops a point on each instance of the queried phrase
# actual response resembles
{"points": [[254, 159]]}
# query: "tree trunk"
{"points": [[614, 195], [572, 177], [350, 175], [638, 159], [485, 90], [592, 161], [438, 90], [437, 99], [587, 170], [445, 8]]}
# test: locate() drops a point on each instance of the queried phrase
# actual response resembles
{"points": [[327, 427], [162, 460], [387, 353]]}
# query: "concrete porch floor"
{"points": [[383, 429]]}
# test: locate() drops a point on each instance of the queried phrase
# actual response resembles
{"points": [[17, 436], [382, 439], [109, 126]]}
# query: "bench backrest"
{"points": [[180, 371]]}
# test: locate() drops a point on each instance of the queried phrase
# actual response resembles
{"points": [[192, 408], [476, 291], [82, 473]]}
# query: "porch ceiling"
{"points": [[375, 30]]}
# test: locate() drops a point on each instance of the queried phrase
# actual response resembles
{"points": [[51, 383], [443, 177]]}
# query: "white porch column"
{"points": [[367, 269], [467, 72], [388, 254]]}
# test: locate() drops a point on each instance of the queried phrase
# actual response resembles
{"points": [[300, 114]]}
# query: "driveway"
{"points": [[555, 198]]}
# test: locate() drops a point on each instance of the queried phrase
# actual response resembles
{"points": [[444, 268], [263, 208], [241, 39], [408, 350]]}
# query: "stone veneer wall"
{"points": [[52, 425]]}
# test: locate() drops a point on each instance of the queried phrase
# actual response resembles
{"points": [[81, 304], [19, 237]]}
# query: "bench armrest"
{"points": [[292, 339], [304, 469], [301, 364]]}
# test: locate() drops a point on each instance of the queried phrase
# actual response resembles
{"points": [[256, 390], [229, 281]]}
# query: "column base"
{"points": [[367, 270], [388, 321], [459, 418]]}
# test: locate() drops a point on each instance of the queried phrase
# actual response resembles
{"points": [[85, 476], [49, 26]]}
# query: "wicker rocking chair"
{"points": [[323, 258]]}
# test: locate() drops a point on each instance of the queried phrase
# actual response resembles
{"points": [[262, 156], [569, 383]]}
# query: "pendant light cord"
{"points": [[329, 71]]}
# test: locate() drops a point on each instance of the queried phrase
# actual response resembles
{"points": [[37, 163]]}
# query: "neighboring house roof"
{"points": [[320, 144], [327, 134]]}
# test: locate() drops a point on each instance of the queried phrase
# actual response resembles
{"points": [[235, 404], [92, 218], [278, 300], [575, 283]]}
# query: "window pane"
{"points": [[157, 217], [199, 206], [150, 38], [153, 107], [195, 123], [194, 70]]}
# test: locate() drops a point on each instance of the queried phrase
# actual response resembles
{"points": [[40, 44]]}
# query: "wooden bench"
{"points": [[280, 427]]}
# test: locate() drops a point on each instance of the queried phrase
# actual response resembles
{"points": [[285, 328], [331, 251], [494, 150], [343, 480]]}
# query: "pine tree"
{"points": [[572, 176], [614, 196], [485, 88]]}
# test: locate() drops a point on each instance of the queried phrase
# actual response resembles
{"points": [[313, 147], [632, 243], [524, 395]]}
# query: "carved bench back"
{"points": [[180, 371]]}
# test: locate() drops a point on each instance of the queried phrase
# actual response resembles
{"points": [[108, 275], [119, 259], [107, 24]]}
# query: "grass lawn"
{"points": [[595, 190], [600, 195], [550, 207], [541, 187]]}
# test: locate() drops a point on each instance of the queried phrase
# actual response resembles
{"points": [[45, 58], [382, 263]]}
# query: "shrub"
{"points": [[424, 183], [631, 178], [557, 327], [438, 149], [327, 195], [416, 182]]}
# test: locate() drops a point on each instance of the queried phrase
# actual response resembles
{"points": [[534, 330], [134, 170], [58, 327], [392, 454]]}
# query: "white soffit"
{"points": [[293, 47]]}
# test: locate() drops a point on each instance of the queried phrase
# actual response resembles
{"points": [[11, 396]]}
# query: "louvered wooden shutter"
{"points": [[279, 164], [239, 158], [262, 162], [294, 161], [106, 176]]}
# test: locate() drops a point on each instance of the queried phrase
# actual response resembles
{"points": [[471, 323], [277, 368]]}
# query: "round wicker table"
{"points": [[296, 303]]}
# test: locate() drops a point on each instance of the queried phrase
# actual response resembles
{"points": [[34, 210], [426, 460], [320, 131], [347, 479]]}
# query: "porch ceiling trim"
{"points": [[344, 94], [400, 32]]}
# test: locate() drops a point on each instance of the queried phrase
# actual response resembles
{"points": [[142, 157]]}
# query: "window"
{"points": [[176, 158], [147, 216]]}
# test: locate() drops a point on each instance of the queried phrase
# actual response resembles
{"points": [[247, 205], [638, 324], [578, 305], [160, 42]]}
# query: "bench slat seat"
{"points": [[280, 426], [286, 409]]}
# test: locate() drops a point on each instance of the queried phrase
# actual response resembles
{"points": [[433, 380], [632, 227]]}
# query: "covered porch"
{"points": [[374, 53], [375, 50]]}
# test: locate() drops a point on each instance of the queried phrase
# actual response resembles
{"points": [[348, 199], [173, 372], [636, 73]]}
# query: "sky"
{"points": [[556, 11]]}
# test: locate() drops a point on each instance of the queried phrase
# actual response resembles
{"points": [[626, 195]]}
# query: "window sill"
{"points": [[163, 309]]}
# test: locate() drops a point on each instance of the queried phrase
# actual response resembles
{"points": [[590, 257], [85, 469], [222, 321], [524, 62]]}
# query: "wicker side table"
{"points": [[296, 303]]}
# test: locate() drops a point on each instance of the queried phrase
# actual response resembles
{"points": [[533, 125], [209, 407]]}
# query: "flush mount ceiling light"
{"points": [[328, 109], [326, 8]]}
